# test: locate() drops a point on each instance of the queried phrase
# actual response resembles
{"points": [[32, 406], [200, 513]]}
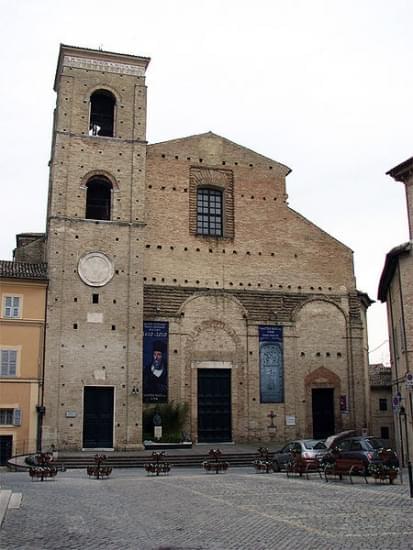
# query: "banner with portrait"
{"points": [[271, 364], [155, 362]]}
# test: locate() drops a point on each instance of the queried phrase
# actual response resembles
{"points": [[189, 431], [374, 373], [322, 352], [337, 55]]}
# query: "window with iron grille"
{"points": [[209, 212], [11, 307], [8, 362], [6, 416]]}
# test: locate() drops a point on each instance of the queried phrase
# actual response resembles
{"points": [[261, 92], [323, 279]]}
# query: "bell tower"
{"points": [[95, 220]]}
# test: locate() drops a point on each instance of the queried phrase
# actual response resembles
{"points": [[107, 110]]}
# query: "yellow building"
{"points": [[23, 288]]}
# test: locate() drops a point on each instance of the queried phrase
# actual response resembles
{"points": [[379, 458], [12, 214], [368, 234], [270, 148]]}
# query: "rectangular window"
{"points": [[383, 404], [8, 362], [209, 212], [10, 417], [6, 416], [11, 308], [384, 432]]}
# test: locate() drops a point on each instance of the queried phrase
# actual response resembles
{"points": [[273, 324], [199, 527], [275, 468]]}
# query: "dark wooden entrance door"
{"points": [[98, 417], [214, 405], [6, 448], [323, 412]]}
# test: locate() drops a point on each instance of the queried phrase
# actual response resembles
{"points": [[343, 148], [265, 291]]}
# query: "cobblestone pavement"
{"points": [[193, 510]]}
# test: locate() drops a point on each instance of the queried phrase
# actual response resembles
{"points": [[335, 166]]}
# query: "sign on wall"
{"points": [[155, 362], [271, 364]]}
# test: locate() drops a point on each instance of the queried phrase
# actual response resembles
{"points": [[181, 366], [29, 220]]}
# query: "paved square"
{"points": [[191, 510]]}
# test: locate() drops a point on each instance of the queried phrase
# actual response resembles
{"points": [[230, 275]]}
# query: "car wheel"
{"points": [[276, 466]]}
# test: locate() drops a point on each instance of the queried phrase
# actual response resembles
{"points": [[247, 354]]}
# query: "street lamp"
{"points": [[403, 414]]}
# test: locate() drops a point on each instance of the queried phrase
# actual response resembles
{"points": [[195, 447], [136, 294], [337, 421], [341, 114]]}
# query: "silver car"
{"points": [[310, 449]]}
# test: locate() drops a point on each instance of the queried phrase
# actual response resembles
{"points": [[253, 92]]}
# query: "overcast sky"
{"points": [[325, 87]]}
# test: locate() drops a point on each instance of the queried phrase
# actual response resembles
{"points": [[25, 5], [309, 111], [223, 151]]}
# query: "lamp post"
{"points": [[403, 414]]}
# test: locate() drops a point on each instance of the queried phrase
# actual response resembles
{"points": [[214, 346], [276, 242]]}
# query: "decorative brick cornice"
{"points": [[168, 301]]}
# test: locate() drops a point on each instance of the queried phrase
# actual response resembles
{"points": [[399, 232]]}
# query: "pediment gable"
{"points": [[214, 149]]}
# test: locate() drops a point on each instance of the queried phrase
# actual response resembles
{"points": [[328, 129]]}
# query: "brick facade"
{"points": [[270, 267]]}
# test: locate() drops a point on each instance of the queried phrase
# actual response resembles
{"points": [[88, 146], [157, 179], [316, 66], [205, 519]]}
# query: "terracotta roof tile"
{"points": [[23, 270]]}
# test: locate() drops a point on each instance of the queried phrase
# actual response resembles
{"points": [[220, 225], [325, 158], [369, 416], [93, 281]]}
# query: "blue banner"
{"points": [[271, 364], [155, 362]]}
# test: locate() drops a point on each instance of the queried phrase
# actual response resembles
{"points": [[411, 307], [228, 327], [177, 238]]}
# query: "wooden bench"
{"points": [[159, 465], [298, 465], [99, 470], [215, 462], [263, 462], [340, 467]]}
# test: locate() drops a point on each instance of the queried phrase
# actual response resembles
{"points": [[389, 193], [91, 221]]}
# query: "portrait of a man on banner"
{"points": [[155, 362]]}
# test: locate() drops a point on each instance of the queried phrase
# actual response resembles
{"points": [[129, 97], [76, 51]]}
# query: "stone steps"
{"points": [[128, 461]]}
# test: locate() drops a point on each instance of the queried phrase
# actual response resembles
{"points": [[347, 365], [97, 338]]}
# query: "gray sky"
{"points": [[325, 87]]}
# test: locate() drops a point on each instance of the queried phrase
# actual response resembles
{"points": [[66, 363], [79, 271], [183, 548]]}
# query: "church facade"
{"points": [[178, 273]]}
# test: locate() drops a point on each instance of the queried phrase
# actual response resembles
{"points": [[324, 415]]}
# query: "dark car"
{"points": [[310, 449], [370, 450]]}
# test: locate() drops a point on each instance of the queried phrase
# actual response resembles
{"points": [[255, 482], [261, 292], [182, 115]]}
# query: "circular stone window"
{"points": [[95, 269]]}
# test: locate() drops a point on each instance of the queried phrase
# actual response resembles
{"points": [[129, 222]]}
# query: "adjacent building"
{"points": [[396, 289], [178, 272], [381, 411], [23, 288]]}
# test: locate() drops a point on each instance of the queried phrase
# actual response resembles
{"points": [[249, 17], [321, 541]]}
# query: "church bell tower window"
{"points": [[102, 114], [98, 199]]}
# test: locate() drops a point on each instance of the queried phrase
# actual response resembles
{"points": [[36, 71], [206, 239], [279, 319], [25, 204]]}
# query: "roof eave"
{"points": [[390, 264], [402, 171], [89, 52]]}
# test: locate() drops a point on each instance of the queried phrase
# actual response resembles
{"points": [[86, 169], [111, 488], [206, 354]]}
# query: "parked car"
{"points": [[369, 449], [310, 449]]}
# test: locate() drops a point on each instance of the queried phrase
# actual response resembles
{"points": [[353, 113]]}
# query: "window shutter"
{"points": [[7, 306], [16, 306], [4, 361], [17, 417], [12, 362]]}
